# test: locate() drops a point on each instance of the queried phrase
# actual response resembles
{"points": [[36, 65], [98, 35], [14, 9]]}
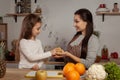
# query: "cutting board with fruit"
{"points": [[70, 71], [50, 74]]}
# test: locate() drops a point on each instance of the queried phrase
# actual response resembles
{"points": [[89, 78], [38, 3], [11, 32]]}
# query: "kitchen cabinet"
{"points": [[16, 1], [3, 34]]}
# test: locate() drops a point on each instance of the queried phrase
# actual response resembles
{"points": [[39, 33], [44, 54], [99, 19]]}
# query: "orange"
{"points": [[80, 68], [67, 68], [73, 75], [58, 49]]}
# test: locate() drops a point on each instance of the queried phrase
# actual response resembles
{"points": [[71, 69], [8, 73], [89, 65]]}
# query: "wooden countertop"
{"points": [[19, 74]]}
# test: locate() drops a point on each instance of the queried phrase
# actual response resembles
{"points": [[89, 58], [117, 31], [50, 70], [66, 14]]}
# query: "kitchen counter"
{"points": [[19, 74]]}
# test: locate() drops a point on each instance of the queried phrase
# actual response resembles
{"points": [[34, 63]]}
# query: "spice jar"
{"points": [[18, 8]]}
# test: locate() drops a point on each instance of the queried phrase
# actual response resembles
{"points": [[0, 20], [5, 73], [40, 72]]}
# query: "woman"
{"points": [[84, 45]]}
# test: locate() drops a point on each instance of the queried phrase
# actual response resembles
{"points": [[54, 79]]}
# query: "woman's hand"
{"points": [[60, 52], [56, 56], [67, 53]]}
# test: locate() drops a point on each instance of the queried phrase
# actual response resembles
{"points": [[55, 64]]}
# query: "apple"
{"points": [[41, 75]]}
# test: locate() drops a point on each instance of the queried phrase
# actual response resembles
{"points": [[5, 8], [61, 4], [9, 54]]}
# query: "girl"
{"points": [[31, 52], [84, 46]]}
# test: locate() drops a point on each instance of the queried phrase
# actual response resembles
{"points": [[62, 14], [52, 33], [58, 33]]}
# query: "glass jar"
{"points": [[18, 8]]}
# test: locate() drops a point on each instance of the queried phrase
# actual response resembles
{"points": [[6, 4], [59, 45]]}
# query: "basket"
{"points": [[2, 68]]}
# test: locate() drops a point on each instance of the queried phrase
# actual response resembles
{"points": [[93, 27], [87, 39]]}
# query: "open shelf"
{"points": [[107, 13], [16, 1], [20, 14]]}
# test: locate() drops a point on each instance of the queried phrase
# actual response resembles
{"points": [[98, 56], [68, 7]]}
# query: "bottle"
{"points": [[18, 7], [105, 52]]}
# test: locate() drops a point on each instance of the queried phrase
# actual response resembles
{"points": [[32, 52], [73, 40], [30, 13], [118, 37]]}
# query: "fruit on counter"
{"points": [[41, 75], [114, 55], [68, 67], [80, 68], [73, 71], [73, 75], [96, 72]]}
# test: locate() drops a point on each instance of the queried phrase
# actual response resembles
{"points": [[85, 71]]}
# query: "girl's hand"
{"points": [[53, 52], [35, 67], [56, 51]]}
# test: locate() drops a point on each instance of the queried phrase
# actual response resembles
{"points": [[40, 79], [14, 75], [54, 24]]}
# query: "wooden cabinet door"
{"points": [[3, 34]]}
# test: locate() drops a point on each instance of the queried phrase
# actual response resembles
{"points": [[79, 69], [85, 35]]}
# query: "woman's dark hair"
{"points": [[27, 25], [86, 16]]}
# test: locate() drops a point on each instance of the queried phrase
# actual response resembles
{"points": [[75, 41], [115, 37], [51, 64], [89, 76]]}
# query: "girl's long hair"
{"points": [[27, 25], [86, 16], [26, 31]]}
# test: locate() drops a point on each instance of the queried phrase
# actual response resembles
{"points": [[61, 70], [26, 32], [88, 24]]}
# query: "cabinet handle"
{"points": [[35, 1]]}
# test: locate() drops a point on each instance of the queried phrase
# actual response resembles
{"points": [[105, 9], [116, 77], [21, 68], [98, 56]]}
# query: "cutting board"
{"points": [[50, 74]]}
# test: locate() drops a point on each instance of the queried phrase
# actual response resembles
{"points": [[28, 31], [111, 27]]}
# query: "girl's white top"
{"points": [[31, 53]]}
